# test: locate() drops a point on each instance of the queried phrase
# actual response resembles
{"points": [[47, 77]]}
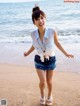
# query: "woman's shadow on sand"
{"points": [[54, 104]]}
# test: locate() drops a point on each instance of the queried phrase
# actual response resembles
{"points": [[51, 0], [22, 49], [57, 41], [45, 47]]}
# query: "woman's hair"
{"points": [[36, 12]]}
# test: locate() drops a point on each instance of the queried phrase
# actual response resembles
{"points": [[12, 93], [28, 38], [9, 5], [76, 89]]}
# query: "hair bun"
{"points": [[35, 8]]}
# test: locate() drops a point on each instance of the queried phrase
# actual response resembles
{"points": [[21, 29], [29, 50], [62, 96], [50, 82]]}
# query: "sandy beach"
{"points": [[19, 85]]}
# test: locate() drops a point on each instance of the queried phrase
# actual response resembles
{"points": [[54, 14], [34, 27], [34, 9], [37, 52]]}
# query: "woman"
{"points": [[45, 61]]}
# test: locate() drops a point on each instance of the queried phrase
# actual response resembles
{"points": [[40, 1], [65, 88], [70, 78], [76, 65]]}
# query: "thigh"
{"points": [[41, 75], [49, 75]]}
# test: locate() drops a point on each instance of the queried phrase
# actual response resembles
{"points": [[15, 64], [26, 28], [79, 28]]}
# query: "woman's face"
{"points": [[40, 22]]}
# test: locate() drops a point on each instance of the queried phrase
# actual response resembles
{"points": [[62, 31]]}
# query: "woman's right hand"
{"points": [[25, 54], [29, 51]]}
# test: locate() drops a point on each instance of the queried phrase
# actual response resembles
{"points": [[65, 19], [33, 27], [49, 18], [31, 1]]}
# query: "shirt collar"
{"points": [[37, 34], [45, 35]]}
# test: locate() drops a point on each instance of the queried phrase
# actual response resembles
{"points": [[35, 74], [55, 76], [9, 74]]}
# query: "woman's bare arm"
{"points": [[60, 46], [29, 51]]}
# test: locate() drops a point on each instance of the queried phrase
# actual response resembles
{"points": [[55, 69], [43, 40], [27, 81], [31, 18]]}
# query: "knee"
{"points": [[49, 82], [42, 83]]}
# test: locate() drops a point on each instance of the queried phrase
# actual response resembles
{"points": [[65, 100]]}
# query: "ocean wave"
{"points": [[16, 23]]}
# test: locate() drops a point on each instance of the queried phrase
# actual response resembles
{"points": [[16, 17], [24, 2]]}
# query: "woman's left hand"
{"points": [[70, 55]]}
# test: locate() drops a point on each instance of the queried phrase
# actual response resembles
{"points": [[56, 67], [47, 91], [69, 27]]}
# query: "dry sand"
{"points": [[19, 85]]}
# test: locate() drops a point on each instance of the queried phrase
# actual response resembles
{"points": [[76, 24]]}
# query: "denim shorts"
{"points": [[47, 64]]}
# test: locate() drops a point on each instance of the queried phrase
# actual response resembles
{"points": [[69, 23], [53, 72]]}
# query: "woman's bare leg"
{"points": [[42, 78], [49, 78]]}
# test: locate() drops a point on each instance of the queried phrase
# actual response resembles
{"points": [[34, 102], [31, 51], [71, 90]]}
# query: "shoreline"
{"points": [[13, 54], [31, 65]]}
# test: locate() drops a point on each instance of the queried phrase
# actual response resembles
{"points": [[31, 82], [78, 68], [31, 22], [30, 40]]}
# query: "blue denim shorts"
{"points": [[47, 64]]}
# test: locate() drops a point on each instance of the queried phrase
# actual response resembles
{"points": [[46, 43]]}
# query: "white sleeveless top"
{"points": [[46, 46]]}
